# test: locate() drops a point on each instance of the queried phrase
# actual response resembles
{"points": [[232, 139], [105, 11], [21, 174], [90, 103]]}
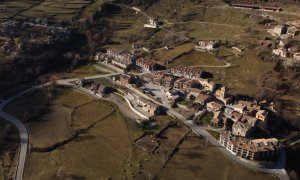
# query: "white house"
{"points": [[280, 52]]}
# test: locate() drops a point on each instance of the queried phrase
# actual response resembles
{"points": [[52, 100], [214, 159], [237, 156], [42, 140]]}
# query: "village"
{"points": [[184, 93], [157, 90], [21, 37]]}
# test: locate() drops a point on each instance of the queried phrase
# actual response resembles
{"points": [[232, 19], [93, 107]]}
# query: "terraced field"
{"points": [[61, 10]]}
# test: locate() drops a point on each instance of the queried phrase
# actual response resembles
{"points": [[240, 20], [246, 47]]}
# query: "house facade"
{"points": [[146, 64], [280, 30], [167, 81], [149, 106], [179, 83], [207, 45], [186, 71], [126, 79], [251, 149]]}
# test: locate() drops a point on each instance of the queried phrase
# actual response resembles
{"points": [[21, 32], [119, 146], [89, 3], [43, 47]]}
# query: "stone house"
{"points": [[293, 31], [217, 118], [167, 81], [186, 71], [207, 45], [192, 83], [126, 79], [214, 106], [280, 30], [178, 84], [149, 106], [203, 99], [231, 114], [207, 84], [241, 129], [146, 64], [262, 115]]}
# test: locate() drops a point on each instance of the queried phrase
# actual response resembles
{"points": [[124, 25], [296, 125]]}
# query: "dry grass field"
{"points": [[99, 153], [71, 98], [244, 75], [52, 127], [81, 71], [103, 149], [43, 118], [87, 114], [195, 58], [194, 161], [30, 102], [165, 55], [1, 171]]}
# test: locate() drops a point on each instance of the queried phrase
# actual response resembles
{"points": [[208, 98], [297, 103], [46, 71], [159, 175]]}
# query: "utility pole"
{"points": [[163, 159]]}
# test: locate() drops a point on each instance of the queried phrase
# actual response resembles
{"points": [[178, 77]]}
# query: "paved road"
{"points": [[227, 64], [65, 81], [23, 135], [23, 132]]}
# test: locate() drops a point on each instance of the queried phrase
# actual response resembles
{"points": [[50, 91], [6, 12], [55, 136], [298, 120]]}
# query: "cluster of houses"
{"points": [[118, 58], [252, 149], [19, 38], [95, 87], [125, 60], [285, 50], [240, 118], [287, 31]]}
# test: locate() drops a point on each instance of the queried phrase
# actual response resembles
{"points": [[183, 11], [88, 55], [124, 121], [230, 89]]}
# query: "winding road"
{"points": [[23, 131], [23, 137]]}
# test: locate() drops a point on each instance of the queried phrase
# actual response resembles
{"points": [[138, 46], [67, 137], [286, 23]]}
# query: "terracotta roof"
{"points": [[202, 97], [144, 62]]}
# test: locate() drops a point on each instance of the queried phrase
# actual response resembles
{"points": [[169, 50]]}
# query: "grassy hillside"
{"points": [[1, 171]]}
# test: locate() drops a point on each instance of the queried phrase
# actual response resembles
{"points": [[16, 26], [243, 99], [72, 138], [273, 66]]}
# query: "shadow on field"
{"points": [[185, 166], [74, 177], [84, 138], [192, 155]]}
